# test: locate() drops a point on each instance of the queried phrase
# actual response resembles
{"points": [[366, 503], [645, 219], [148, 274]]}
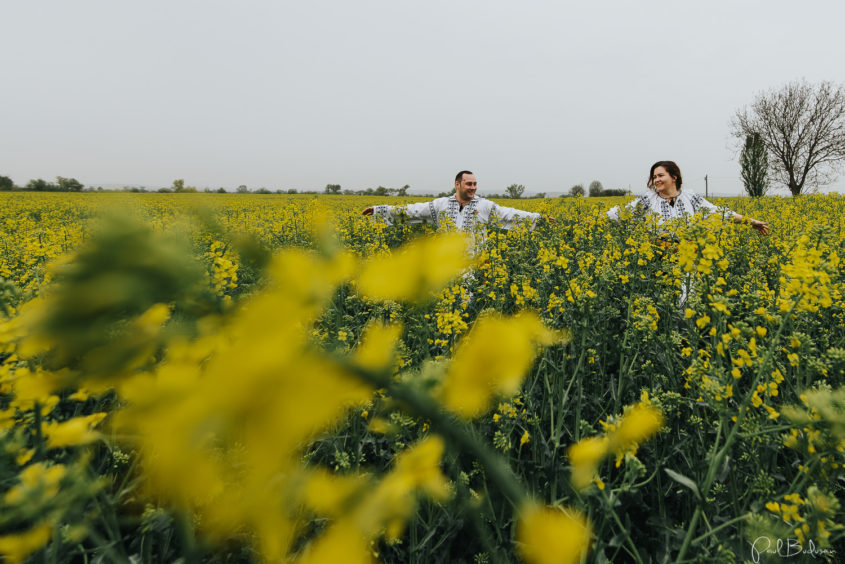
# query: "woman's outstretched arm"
{"points": [[759, 226]]}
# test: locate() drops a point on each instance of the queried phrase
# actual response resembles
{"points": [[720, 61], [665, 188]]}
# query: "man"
{"points": [[463, 208]]}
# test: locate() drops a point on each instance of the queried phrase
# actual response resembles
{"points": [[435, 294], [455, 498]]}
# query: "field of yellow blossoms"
{"points": [[273, 378]]}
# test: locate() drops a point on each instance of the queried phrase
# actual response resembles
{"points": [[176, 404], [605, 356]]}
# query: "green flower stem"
{"points": [[628, 540], [452, 429], [716, 461], [562, 403], [766, 432], [39, 436], [184, 530], [715, 530], [463, 440]]}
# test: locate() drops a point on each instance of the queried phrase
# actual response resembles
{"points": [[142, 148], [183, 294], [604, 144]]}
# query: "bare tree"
{"points": [[577, 190], [803, 127]]}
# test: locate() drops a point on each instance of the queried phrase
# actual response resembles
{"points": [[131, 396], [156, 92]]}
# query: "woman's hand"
{"points": [[760, 227]]}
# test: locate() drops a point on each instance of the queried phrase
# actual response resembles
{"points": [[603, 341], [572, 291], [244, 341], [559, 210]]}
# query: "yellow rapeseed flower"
{"points": [[18, 547], [525, 439], [76, 431], [37, 479], [637, 425], [585, 456], [342, 542], [492, 360], [328, 494], [547, 535], [417, 270], [376, 351]]}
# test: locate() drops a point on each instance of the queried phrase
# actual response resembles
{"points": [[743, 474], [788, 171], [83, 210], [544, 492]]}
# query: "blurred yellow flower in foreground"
{"points": [[18, 546], [377, 349], [585, 456], [386, 508], [38, 480], [222, 421], [418, 269], [76, 431], [492, 360], [547, 535], [343, 542]]}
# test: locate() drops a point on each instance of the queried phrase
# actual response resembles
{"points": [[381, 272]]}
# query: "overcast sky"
{"points": [[366, 93]]}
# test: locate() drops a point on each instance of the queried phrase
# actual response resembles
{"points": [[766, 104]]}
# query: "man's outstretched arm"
{"points": [[509, 217], [412, 213]]}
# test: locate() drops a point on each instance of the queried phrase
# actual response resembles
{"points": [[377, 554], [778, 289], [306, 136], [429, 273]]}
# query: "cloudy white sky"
{"points": [[301, 94]]}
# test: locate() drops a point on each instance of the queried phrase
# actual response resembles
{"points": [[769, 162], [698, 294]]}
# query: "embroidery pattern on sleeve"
{"points": [[696, 202], [642, 206]]}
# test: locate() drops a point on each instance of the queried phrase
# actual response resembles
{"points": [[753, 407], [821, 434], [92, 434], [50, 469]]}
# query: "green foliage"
{"points": [[179, 187], [41, 185], [577, 190], [597, 190], [69, 184], [332, 189], [125, 270], [754, 160], [515, 190], [6, 183]]}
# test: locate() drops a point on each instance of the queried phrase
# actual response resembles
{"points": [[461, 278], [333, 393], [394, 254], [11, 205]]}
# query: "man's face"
{"points": [[465, 188]]}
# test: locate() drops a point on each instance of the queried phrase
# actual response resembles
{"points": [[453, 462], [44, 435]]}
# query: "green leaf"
{"points": [[684, 481]]}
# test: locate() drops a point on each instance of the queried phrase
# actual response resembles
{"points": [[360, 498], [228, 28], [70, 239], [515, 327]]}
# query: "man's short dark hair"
{"points": [[460, 175]]}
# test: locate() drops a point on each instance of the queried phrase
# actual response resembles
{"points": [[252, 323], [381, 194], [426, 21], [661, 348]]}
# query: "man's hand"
{"points": [[367, 211]]}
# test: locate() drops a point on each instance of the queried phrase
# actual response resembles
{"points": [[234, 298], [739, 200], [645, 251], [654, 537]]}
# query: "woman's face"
{"points": [[663, 181]]}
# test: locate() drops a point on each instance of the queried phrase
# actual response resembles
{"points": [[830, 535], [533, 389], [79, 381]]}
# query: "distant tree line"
{"points": [[61, 184], [595, 190], [380, 191]]}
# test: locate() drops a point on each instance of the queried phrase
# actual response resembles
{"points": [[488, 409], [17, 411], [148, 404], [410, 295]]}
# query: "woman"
{"points": [[669, 202]]}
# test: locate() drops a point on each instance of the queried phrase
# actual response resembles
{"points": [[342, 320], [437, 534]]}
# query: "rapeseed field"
{"points": [[271, 378]]}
